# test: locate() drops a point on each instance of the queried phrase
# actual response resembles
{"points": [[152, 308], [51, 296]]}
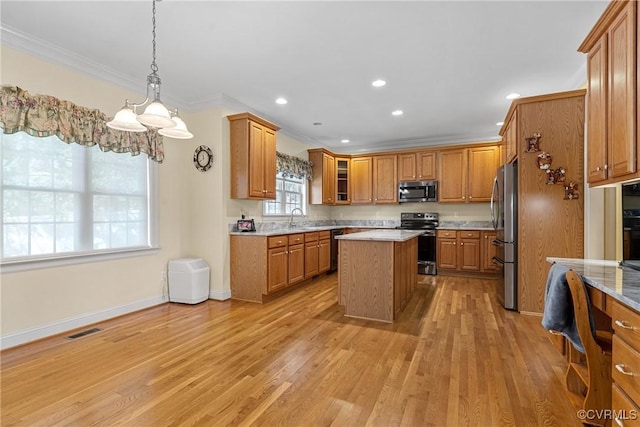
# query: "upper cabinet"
{"points": [[509, 139], [385, 179], [420, 166], [466, 174], [323, 184], [343, 183], [612, 95], [252, 157], [361, 180]]}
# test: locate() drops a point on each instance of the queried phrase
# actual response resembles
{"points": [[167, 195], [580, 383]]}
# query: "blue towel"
{"points": [[558, 307]]}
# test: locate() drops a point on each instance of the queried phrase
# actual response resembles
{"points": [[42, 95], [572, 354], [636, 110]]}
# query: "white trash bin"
{"points": [[188, 280]]}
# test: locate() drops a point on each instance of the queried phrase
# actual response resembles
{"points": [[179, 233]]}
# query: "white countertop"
{"points": [[383, 235], [621, 283]]}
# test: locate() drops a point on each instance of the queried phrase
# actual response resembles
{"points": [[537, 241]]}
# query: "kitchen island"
{"points": [[377, 273]]}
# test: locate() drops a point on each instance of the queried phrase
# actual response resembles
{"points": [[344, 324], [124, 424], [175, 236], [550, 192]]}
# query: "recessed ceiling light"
{"points": [[499, 123], [397, 113], [281, 101], [344, 141], [513, 96], [378, 83], [317, 123]]}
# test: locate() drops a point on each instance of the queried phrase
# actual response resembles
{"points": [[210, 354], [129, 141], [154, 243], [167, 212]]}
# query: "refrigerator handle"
{"points": [[491, 204], [497, 261]]}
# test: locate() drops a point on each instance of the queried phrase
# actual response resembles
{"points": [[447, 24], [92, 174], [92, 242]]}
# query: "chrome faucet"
{"points": [[291, 224]]}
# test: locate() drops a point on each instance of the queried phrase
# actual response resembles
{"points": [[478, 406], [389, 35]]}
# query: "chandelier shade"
{"points": [[179, 131], [126, 120], [155, 115]]}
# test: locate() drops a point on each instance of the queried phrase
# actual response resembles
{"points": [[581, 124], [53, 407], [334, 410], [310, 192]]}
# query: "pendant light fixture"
{"points": [[155, 115]]}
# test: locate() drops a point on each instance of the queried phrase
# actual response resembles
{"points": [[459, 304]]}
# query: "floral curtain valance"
{"points": [[293, 166], [43, 115]]}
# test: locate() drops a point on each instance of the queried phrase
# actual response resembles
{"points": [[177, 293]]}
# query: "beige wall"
{"points": [[54, 298]]}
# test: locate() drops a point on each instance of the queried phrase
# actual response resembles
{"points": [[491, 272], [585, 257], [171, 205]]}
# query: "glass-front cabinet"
{"points": [[343, 188]]}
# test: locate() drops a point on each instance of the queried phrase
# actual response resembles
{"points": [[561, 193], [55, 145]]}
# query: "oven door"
{"points": [[427, 253]]}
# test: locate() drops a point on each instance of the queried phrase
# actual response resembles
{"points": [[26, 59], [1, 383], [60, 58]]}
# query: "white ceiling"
{"points": [[448, 64]]}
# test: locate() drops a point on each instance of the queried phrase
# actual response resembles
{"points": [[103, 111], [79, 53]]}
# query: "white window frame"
{"points": [[35, 262], [303, 191]]}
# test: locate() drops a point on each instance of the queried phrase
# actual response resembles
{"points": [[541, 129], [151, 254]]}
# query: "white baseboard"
{"points": [[39, 332], [220, 295]]}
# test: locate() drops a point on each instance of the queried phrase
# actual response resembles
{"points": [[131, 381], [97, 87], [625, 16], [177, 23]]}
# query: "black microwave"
{"points": [[418, 191], [631, 225]]}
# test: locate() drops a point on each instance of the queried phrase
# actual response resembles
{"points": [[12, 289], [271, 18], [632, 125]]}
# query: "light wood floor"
{"points": [[454, 358]]}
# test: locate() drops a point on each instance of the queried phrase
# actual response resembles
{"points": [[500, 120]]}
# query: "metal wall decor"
{"points": [[544, 160], [571, 191]]}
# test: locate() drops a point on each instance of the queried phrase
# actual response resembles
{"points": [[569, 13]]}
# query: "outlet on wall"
{"points": [[163, 276]]}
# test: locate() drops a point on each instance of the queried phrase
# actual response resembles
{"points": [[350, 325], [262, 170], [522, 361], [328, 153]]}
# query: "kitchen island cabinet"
{"points": [[377, 273]]}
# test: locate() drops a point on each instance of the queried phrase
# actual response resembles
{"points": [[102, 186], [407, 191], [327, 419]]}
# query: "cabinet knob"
{"points": [[461, 243], [286, 252], [420, 176], [463, 197], [470, 197], [454, 243], [606, 167], [598, 168]]}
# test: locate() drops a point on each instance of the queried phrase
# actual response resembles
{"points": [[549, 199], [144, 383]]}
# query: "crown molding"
{"points": [[422, 143], [53, 53]]}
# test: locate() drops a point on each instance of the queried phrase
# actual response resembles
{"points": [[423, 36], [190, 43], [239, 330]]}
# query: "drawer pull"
{"points": [[622, 369], [624, 324], [556, 333], [619, 421]]}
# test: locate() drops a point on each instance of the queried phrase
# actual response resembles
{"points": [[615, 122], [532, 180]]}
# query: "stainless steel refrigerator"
{"points": [[504, 216]]}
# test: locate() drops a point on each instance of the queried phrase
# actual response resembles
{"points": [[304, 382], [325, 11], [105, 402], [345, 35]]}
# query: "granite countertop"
{"points": [[281, 231], [621, 283], [382, 235], [465, 225]]}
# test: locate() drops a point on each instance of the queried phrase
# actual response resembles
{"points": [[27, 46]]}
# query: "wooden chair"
{"points": [[588, 377]]}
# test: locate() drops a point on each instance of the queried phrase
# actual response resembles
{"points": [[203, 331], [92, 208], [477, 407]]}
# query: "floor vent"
{"points": [[83, 333]]}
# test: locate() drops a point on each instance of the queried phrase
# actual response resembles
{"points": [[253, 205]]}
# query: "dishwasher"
{"points": [[334, 248]]}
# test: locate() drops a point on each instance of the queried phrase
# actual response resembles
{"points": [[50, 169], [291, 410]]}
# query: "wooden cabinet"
{"points": [[625, 360], [385, 179], [317, 253], [509, 140], [261, 265], [420, 166], [488, 251], [466, 175], [361, 180], [469, 250], [542, 209], [323, 184], [465, 251], [343, 184], [252, 157], [447, 250], [612, 98]]}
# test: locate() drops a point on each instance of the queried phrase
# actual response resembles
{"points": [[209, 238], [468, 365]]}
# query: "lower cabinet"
{"points": [[465, 251], [262, 265], [625, 361], [317, 252], [489, 250]]}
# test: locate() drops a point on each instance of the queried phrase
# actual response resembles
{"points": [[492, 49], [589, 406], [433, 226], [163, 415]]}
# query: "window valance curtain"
{"points": [[43, 115], [293, 166]]}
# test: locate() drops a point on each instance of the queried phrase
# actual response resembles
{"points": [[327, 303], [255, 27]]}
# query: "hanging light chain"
{"points": [[154, 66]]}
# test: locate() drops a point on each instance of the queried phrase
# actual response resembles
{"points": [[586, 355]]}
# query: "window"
{"points": [[61, 200], [291, 193]]}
